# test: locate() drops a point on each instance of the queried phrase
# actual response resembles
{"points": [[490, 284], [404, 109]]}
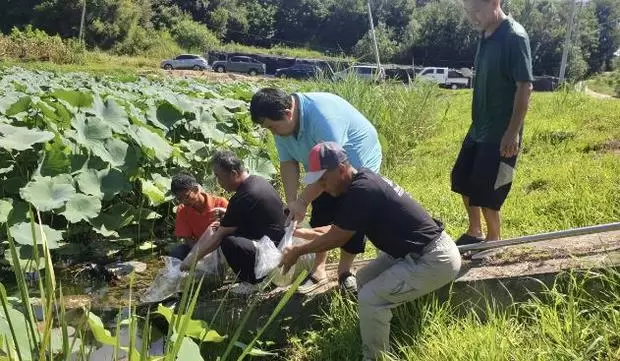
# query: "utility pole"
{"points": [[374, 39], [81, 36], [567, 40]]}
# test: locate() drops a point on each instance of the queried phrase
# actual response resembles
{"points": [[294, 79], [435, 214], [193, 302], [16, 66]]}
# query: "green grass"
{"points": [[575, 319], [606, 83], [561, 182]]}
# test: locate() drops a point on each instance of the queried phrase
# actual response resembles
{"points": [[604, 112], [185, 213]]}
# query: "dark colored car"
{"points": [[299, 71]]}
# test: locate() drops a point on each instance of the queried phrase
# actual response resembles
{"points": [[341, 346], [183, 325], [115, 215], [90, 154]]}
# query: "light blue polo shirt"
{"points": [[327, 117]]}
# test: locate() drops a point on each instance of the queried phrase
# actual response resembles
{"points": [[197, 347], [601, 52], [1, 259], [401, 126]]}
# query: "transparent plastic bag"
{"points": [[268, 257], [212, 265], [166, 283]]}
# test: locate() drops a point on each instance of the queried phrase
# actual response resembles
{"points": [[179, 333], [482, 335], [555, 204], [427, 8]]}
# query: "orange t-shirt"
{"points": [[192, 224]]}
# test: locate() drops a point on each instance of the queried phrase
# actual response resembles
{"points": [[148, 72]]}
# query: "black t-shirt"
{"points": [[387, 215], [256, 210]]}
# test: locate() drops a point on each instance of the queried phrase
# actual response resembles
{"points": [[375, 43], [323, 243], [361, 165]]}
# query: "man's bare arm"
{"points": [[290, 178], [509, 146]]}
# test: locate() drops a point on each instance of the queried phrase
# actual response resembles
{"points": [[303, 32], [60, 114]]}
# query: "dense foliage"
{"points": [[421, 31], [95, 156]]}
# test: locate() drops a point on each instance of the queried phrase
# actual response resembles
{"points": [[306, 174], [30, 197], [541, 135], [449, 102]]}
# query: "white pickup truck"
{"points": [[446, 77]]}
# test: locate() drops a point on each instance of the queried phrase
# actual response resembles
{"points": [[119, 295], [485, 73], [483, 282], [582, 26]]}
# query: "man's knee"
{"points": [[181, 251]]}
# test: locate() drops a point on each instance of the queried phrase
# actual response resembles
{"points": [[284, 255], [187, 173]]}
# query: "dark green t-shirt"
{"points": [[502, 59]]}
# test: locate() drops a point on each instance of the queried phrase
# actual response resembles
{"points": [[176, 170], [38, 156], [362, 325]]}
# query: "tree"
{"points": [[364, 50], [608, 16], [440, 36]]}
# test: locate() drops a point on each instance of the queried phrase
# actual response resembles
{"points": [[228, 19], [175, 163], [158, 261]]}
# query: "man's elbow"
{"points": [[526, 87]]}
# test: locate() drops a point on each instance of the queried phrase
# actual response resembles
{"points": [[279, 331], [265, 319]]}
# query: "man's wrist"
{"points": [[303, 201]]}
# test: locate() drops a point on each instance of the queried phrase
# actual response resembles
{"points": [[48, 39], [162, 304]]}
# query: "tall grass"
{"points": [[24, 337], [577, 318]]}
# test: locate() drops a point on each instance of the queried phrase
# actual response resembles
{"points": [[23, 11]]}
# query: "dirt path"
{"points": [[213, 76], [596, 95]]}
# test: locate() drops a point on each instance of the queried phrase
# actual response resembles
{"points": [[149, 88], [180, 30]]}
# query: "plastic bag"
{"points": [[304, 262], [213, 264], [166, 283], [267, 258]]}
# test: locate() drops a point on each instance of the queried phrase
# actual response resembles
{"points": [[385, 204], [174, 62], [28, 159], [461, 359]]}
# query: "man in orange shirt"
{"points": [[196, 212]]}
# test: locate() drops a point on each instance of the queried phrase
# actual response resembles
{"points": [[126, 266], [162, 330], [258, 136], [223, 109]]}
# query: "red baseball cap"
{"points": [[323, 157]]}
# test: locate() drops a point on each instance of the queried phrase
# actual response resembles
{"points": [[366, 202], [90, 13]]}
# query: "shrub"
{"points": [[36, 45], [194, 36]]}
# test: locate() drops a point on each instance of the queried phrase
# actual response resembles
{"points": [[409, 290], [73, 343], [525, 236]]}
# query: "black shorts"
{"points": [[324, 211], [482, 174]]}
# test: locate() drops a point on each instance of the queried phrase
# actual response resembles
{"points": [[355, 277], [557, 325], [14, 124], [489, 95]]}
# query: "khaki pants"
{"points": [[387, 282]]}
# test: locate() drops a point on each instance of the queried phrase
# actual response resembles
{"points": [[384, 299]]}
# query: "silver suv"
{"points": [[240, 64], [186, 61]]}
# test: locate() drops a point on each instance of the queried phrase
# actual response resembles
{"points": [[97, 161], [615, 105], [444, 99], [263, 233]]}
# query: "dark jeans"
{"points": [[240, 254], [181, 251]]}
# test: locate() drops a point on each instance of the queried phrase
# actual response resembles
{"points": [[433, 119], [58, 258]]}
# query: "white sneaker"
{"points": [[244, 288]]}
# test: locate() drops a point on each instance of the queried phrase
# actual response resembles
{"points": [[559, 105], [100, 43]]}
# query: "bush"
{"points": [[36, 45], [194, 36], [154, 44]]}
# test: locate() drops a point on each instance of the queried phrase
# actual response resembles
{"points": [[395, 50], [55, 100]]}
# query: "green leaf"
{"points": [[22, 138], [196, 329], [99, 332], [22, 234], [189, 351], [47, 193], [254, 351], [26, 261], [82, 207], [90, 130], [113, 219], [103, 184], [76, 98], [151, 141], [22, 105], [56, 160], [90, 183], [6, 206], [155, 194], [168, 114], [20, 212], [111, 113], [113, 182], [260, 166], [117, 151], [18, 320]]}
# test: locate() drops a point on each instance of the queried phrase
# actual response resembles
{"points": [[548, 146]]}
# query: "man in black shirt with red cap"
{"points": [[417, 255]]}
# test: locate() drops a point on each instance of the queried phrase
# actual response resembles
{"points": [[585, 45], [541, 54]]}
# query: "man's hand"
{"points": [[297, 210], [290, 255], [186, 264], [217, 212], [509, 147]]}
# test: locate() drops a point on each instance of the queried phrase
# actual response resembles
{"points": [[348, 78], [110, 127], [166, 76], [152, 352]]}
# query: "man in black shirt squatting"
{"points": [[417, 255], [254, 211]]}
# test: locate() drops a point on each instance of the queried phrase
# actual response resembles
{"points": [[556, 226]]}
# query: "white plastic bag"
{"points": [[166, 283], [279, 278], [213, 264], [267, 256]]}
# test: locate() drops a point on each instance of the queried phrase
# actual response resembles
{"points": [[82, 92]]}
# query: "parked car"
{"points": [[299, 71], [186, 61], [366, 72], [545, 83], [445, 77], [240, 64]]}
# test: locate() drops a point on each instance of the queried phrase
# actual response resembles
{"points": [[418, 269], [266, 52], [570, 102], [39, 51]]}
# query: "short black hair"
{"points": [[227, 161], [183, 182], [269, 103]]}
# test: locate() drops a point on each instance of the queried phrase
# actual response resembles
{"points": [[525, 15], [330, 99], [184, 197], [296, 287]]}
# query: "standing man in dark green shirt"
{"points": [[484, 168]]}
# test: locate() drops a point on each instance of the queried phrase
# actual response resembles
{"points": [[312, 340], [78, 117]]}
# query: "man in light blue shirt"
{"points": [[298, 122]]}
